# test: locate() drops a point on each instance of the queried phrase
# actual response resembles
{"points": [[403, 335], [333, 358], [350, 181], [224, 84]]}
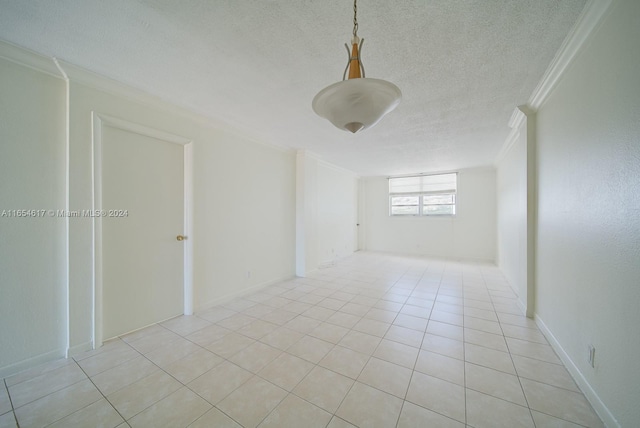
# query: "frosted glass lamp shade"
{"points": [[356, 104]]}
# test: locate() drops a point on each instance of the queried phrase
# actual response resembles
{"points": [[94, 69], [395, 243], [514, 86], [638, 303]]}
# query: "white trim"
{"points": [[332, 262], [246, 291], [517, 117], [532, 208], [321, 161], [589, 19], [520, 303], [141, 129], [98, 120], [327, 264], [590, 394], [188, 228], [515, 122], [22, 365], [513, 136], [328, 165], [67, 180], [308, 153], [309, 274], [28, 58], [143, 327], [113, 87], [79, 349], [96, 227]]}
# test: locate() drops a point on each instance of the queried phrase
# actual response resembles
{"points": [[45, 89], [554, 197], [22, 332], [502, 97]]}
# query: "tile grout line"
{"points": [[318, 365], [13, 410], [404, 400], [140, 354], [213, 406], [513, 363], [101, 393], [464, 357], [376, 290]]}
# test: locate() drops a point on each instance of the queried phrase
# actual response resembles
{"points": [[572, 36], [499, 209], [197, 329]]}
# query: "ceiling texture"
{"points": [[462, 66]]}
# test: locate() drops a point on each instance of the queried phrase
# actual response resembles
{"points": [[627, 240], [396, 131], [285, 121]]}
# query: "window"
{"points": [[423, 195]]}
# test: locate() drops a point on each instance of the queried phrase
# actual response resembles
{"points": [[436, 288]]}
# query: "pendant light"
{"points": [[359, 102]]}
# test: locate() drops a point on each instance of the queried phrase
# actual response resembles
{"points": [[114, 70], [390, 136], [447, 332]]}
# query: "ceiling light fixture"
{"points": [[358, 102]]}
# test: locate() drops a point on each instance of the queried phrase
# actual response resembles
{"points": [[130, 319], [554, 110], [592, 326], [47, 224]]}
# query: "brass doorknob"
{"points": [[181, 238]]}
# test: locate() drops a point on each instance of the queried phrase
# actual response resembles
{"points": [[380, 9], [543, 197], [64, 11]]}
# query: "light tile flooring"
{"points": [[373, 341]]}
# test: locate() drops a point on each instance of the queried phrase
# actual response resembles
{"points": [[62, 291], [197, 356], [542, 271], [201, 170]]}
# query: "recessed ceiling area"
{"points": [[462, 66]]}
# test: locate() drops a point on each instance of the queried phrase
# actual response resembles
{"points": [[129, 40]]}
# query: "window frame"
{"points": [[421, 195]]}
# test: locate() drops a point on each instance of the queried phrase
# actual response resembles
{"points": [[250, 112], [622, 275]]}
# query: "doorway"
{"points": [[142, 199]]}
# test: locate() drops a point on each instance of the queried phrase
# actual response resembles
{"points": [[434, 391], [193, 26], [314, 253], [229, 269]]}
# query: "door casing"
{"points": [[100, 120]]}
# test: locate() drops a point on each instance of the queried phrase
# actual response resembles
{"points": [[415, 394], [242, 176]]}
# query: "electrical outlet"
{"points": [[248, 274], [592, 355]]}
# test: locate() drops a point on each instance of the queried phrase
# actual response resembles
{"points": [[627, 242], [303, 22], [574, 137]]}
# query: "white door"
{"points": [[142, 261]]}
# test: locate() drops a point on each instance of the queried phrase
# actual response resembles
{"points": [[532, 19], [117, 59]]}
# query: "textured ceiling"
{"points": [[462, 65]]}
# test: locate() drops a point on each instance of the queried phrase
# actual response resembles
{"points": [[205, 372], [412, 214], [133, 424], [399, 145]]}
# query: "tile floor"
{"points": [[374, 341]]}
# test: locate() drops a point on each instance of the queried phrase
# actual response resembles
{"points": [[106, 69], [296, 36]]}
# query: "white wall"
{"points": [[470, 234], [244, 215], [337, 213], [588, 257], [511, 181], [244, 193], [32, 250], [306, 213], [326, 213], [244, 200]]}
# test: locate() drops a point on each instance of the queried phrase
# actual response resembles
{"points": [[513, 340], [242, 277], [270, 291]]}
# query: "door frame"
{"points": [[98, 121]]}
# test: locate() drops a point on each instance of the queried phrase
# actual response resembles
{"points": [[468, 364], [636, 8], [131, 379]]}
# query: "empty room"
{"points": [[239, 214]]}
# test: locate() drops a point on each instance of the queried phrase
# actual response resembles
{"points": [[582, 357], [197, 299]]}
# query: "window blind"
{"points": [[423, 184]]}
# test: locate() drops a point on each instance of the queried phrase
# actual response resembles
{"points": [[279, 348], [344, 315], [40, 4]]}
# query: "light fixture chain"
{"points": [[355, 18]]}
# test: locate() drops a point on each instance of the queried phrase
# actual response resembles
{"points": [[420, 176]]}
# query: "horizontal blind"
{"points": [[423, 184]]}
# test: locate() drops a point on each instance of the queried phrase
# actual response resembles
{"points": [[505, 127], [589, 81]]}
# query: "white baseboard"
{"points": [[245, 291], [309, 273], [519, 302], [331, 262], [79, 349], [607, 417], [14, 368], [326, 264]]}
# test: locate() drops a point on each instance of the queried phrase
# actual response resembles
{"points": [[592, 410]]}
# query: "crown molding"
{"points": [[588, 20], [79, 75], [517, 117], [515, 122], [337, 168], [28, 58], [304, 153]]}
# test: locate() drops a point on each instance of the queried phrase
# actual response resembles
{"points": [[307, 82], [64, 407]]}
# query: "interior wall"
{"points": [[326, 213], [337, 213], [244, 210], [33, 256], [244, 203], [306, 213], [244, 215], [511, 181], [588, 257], [470, 234]]}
